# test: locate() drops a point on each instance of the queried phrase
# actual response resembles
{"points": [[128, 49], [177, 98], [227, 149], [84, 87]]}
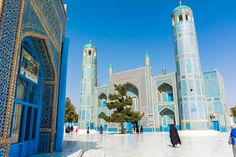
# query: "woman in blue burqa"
{"points": [[232, 140], [174, 136]]}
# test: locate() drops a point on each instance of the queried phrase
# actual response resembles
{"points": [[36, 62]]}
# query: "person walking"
{"points": [[101, 129], [141, 129], [232, 139], [134, 128], [71, 128], [174, 136], [88, 130], [137, 128]]}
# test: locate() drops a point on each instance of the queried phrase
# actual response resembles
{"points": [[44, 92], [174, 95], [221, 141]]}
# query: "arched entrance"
{"points": [[102, 103], [34, 122], [165, 93], [134, 94], [167, 117]]}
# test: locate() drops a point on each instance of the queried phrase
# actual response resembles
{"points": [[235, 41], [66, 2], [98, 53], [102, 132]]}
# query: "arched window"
{"points": [[180, 18], [29, 83], [90, 52], [165, 93], [102, 100], [186, 16]]}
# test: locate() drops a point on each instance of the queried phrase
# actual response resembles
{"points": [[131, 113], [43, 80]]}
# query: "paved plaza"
{"points": [[149, 145], [144, 145]]}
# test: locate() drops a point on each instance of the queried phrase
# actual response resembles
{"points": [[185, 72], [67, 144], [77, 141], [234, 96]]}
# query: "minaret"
{"points": [[148, 78], [147, 60], [189, 74], [110, 79], [88, 84]]}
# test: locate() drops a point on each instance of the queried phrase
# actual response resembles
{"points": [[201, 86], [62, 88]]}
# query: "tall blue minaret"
{"points": [[88, 84], [189, 74]]}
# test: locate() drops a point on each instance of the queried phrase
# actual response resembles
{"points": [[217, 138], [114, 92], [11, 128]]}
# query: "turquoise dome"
{"points": [[90, 45], [181, 7]]}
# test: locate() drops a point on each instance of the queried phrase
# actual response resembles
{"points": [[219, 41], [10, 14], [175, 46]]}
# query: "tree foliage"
{"points": [[121, 106], [233, 111], [70, 113]]}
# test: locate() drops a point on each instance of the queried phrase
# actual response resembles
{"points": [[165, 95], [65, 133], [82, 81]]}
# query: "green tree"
{"points": [[121, 105], [233, 112], [70, 113]]}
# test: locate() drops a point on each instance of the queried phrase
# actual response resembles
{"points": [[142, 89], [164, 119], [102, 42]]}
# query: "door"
{"points": [[216, 125]]}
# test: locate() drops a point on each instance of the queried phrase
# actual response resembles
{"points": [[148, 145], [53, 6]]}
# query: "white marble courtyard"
{"points": [[194, 144], [150, 145]]}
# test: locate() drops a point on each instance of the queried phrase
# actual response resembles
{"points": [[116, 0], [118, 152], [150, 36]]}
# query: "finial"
{"points": [[146, 54], [90, 41], [164, 71], [180, 2]]}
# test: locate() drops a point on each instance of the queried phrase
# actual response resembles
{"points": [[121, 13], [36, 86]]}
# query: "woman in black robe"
{"points": [[174, 136]]}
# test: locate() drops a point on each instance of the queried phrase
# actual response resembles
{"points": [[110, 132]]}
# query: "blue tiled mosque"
{"points": [[33, 59], [190, 98]]}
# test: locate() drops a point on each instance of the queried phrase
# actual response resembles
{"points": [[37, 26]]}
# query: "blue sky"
{"points": [[123, 30]]}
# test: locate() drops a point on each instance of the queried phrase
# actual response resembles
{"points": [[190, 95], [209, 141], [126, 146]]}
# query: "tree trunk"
{"points": [[122, 128]]}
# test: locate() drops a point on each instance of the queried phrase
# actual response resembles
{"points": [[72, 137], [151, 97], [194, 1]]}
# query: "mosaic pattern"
{"points": [[47, 10], [3, 149], [9, 21], [42, 50], [48, 94], [60, 10], [189, 74], [25, 20], [44, 143], [33, 25], [31, 22]]}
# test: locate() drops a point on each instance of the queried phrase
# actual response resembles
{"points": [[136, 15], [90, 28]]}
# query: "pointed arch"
{"points": [[167, 117], [102, 96], [165, 93], [133, 91]]}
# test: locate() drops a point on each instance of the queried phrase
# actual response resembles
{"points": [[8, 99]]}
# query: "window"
{"points": [[17, 124], [170, 97], [28, 84], [104, 103], [180, 18], [90, 52], [27, 128], [186, 16], [22, 90], [34, 123]]}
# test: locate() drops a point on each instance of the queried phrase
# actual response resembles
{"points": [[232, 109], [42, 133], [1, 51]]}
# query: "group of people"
{"points": [[69, 129], [176, 142], [138, 129], [174, 136]]}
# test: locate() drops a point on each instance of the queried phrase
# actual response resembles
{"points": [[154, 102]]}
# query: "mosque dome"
{"points": [[89, 45], [180, 7]]}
